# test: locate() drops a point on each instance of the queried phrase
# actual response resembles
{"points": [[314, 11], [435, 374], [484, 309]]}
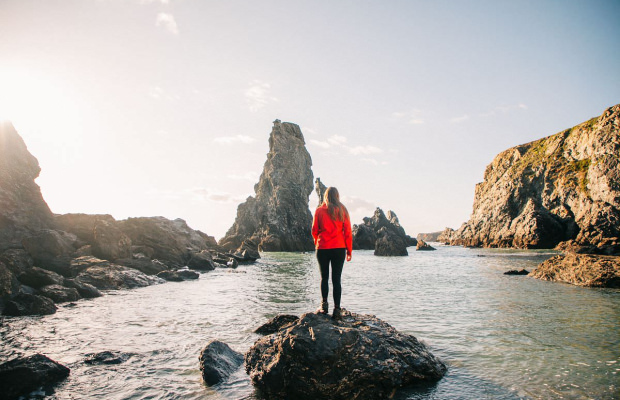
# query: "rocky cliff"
{"points": [[22, 208], [559, 188], [278, 217], [382, 234]]}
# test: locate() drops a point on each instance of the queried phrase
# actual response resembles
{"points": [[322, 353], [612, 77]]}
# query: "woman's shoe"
{"points": [[323, 309], [337, 313]]}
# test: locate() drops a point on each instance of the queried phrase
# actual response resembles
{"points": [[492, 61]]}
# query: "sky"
{"points": [[164, 107]]}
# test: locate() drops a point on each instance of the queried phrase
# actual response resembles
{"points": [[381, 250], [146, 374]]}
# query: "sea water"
{"points": [[503, 337]]}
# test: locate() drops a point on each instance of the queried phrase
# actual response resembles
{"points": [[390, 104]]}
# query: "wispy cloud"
{"points": [[234, 139], [168, 22], [374, 161], [206, 194], [258, 95], [325, 145], [368, 149], [332, 141], [457, 120], [412, 117], [248, 176]]}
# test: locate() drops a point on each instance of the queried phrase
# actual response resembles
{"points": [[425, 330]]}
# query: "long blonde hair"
{"points": [[335, 208]]}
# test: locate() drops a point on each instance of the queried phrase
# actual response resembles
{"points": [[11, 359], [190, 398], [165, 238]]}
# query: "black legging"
{"points": [[336, 257]]}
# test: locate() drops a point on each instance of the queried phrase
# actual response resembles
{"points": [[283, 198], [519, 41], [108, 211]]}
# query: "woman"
{"points": [[331, 230]]}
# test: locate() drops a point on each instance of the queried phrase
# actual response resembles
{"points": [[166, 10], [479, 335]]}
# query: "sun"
{"points": [[37, 105]]}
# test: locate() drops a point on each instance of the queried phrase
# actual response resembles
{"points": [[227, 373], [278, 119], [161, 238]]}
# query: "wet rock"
{"points": [[9, 285], [29, 304], [84, 289], [389, 243], [81, 225], [17, 260], [38, 277], [178, 276], [559, 188], [276, 323], [149, 267], [247, 252], [60, 294], [107, 357], [105, 275], [21, 376], [22, 208], [171, 241], [383, 234], [422, 245], [218, 361], [357, 357], [109, 242], [606, 247], [51, 249], [278, 217], [517, 272], [581, 270], [202, 261]]}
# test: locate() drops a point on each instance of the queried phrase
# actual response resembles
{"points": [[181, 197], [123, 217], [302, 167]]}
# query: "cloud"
{"points": [[368, 149], [205, 194], [156, 92], [234, 139], [248, 176], [337, 140], [168, 22], [325, 145], [411, 117], [457, 120], [374, 161], [257, 95]]}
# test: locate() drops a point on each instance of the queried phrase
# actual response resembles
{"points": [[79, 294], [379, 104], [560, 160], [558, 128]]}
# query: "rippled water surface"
{"points": [[504, 337]]}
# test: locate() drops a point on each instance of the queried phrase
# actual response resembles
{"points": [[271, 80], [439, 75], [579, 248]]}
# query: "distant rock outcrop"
{"points": [[278, 217], [562, 187], [422, 245], [356, 357], [429, 237], [446, 236], [382, 234], [320, 189], [581, 270]]}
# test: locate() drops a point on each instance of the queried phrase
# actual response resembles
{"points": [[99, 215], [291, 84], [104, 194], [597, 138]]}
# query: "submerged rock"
{"points": [[517, 272], [107, 357], [21, 376], [105, 275], [218, 361], [278, 217], [357, 357], [85, 290], [562, 187], [60, 294], [178, 276], [29, 304], [422, 245], [581, 270]]}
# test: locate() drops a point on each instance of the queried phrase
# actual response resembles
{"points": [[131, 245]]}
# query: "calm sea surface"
{"points": [[504, 337]]}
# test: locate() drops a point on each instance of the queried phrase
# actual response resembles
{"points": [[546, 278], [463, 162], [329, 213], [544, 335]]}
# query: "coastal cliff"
{"points": [[565, 187], [278, 217]]}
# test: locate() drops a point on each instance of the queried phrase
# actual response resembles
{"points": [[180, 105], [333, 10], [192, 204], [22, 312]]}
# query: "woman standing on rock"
{"points": [[331, 230]]}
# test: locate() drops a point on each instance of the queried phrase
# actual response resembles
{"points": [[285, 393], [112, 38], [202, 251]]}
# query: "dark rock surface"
{"points": [[21, 376], [9, 285], [60, 294], [276, 323], [422, 245], [148, 266], [562, 187], [517, 272], [22, 208], [38, 277], [218, 361], [178, 276], [383, 234], [109, 242], [247, 252], [357, 357], [107, 357], [320, 189], [17, 260], [105, 275], [278, 217], [581, 270], [29, 304], [201, 261], [84, 289], [51, 249]]}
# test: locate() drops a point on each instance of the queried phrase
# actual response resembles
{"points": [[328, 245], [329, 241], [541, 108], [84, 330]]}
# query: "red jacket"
{"points": [[330, 234]]}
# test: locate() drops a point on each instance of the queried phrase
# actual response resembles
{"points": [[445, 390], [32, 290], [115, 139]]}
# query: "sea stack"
{"points": [[278, 217], [565, 187]]}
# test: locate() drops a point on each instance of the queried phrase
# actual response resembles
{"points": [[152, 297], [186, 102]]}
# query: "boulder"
{"points": [[276, 323], [109, 242], [38, 277], [84, 289], [8, 283], [202, 261], [517, 272], [81, 225], [581, 270], [105, 275], [149, 267], [277, 218], [51, 249], [29, 304], [178, 276], [22, 208], [357, 357], [107, 357], [60, 294], [389, 243], [422, 245], [16, 260], [170, 241], [218, 361], [21, 376], [559, 188], [247, 252]]}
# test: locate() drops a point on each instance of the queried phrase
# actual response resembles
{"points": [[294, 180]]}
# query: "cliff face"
{"points": [[562, 187], [278, 217], [22, 208]]}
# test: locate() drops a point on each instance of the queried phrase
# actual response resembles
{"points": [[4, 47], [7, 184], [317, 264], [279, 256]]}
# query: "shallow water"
{"points": [[504, 337]]}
